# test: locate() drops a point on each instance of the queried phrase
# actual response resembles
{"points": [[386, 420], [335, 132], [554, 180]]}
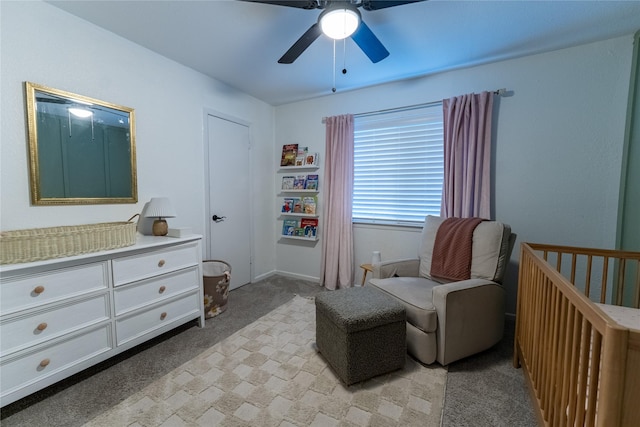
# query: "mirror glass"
{"points": [[82, 150]]}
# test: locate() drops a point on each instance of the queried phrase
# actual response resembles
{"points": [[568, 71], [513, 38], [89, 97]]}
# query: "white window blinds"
{"points": [[398, 165]]}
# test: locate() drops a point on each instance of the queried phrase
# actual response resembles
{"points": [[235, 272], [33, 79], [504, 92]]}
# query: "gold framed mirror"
{"points": [[81, 150]]}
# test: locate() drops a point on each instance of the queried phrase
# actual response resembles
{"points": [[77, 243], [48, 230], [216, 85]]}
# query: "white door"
{"points": [[229, 196]]}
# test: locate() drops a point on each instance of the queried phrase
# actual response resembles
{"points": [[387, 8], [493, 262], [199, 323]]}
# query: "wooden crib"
{"points": [[582, 366]]}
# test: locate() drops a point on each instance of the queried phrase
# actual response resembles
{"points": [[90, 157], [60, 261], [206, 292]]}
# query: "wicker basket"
{"points": [[217, 275], [38, 244]]}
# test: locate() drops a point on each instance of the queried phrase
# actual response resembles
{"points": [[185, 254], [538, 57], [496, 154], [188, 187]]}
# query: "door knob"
{"points": [[217, 218]]}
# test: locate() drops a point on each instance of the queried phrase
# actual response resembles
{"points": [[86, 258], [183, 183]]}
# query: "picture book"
{"points": [[311, 183], [298, 183], [309, 204], [289, 155], [289, 227], [287, 204], [300, 161], [309, 227], [297, 206], [302, 151], [287, 182], [311, 159]]}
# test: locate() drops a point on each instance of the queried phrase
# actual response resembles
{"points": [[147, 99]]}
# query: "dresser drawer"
{"points": [[17, 372], [25, 292], [25, 331], [152, 290], [131, 327], [137, 267]]}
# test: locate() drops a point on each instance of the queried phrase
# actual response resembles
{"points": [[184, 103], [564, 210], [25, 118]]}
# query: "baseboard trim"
{"points": [[264, 276], [298, 276]]}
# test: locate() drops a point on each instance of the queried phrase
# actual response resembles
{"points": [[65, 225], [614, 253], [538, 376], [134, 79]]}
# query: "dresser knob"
{"points": [[44, 363], [42, 326], [38, 290], [163, 315], [162, 289], [161, 263]]}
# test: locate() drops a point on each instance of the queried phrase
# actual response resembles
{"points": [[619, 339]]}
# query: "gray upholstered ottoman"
{"points": [[361, 332]]}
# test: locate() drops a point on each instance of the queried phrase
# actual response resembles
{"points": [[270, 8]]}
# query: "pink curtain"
{"points": [[336, 269], [466, 190]]}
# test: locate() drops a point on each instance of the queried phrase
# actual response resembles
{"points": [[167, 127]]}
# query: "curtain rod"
{"points": [[499, 92]]}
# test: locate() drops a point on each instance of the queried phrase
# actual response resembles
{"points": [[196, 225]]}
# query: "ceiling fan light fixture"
{"points": [[339, 23]]}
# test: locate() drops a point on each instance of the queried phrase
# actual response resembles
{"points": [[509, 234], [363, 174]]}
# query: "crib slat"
{"points": [[620, 286], [544, 345], [549, 357], [574, 258], [532, 290], [545, 337], [567, 362], [594, 375], [540, 322], [559, 414], [582, 378], [587, 287], [543, 321], [559, 261], [603, 283], [553, 359], [575, 365]]}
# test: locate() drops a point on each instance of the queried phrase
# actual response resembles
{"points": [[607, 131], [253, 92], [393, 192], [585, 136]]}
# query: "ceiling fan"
{"points": [[339, 19]]}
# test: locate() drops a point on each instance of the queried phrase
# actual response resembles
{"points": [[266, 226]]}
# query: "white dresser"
{"points": [[60, 316]]}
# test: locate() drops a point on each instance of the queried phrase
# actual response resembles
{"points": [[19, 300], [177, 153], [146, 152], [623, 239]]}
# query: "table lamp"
{"points": [[160, 208]]}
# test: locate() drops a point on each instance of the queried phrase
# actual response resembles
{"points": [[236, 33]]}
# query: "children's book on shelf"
{"points": [[289, 154], [309, 204], [299, 182], [311, 183], [287, 182], [311, 159], [297, 206], [302, 156], [287, 204], [309, 227], [289, 227]]}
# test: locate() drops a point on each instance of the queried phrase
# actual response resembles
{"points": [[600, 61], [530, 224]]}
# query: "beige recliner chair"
{"points": [[449, 321]]}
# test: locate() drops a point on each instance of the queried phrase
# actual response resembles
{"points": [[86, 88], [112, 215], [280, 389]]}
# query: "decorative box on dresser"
{"points": [[60, 316]]}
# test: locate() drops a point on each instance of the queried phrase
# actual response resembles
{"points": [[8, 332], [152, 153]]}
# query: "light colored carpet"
{"points": [[270, 374]]}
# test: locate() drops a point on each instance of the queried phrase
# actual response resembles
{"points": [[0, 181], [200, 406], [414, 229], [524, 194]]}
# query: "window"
{"points": [[398, 165]]}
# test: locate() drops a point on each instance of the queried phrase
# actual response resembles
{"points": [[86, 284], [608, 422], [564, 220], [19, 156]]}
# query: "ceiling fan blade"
{"points": [[369, 43], [301, 45], [383, 4], [300, 4]]}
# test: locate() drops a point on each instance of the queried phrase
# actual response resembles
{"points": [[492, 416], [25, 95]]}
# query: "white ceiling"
{"points": [[239, 43]]}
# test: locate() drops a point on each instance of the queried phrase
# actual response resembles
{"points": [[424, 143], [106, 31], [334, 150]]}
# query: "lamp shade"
{"points": [[160, 207], [339, 23]]}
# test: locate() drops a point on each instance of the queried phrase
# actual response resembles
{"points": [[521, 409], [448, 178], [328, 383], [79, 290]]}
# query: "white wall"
{"points": [[558, 147], [45, 45]]}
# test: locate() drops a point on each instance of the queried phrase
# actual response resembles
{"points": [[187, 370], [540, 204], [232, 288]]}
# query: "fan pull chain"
{"points": [[333, 89], [344, 56]]}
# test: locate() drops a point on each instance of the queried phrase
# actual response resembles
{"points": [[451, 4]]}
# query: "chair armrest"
{"points": [[470, 317], [401, 267]]}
